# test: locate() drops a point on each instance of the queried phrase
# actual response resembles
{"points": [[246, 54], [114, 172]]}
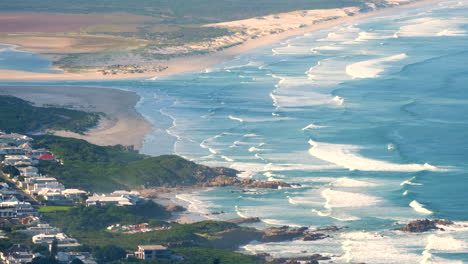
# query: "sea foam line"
{"points": [[345, 156]]}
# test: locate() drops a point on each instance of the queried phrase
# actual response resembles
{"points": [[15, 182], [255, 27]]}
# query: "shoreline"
{"points": [[199, 62], [121, 124]]}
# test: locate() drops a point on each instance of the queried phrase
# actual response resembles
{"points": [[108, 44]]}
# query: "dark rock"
{"points": [[329, 228], [225, 180], [278, 234], [241, 220], [174, 208], [314, 236], [419, 226]]}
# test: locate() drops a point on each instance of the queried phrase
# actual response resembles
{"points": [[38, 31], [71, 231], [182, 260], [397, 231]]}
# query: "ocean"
{"points": [[368, 118]]}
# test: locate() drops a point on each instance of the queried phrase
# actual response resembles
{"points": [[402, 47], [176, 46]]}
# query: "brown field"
{"points": [[69, 44], [55, 23], [47, 23]]}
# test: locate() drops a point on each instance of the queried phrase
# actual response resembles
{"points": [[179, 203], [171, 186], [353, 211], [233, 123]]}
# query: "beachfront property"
{"points": [[28, 171], [153, 252], [120, 198], [12, 151], [67, 257], [14, 139], [36, 184], [41, 229], [18, 160], [17, 254], [13, 208], [62, 240], [74, 194]]}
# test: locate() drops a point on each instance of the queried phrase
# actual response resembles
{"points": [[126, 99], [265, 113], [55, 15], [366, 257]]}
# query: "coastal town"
{"points": [[25, 193]]}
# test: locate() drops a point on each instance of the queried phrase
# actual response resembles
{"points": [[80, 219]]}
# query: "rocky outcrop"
{"points": [[249, 220], [329, 228], [174, 208], [225, 180], [419, 226], [284, 233], [235, 237], [314, 236]]}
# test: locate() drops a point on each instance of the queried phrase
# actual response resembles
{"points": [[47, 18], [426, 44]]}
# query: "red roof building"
{"points": [[46, 156]]}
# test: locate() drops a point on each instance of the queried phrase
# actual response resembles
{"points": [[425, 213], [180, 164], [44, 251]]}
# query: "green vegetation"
{"points": [[93, 218], [50, 209], [91, 233], [17, 115], [176, 11], [104, 169], [207, 255]]}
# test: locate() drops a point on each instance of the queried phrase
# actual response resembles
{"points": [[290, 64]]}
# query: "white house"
{"points": [[29, 171], [13, 138], [12, 151], [120, 198], [36, 184], [17, 254], [73, 194], [17, 159], [17, 209], [62, 240], [42, 229]]}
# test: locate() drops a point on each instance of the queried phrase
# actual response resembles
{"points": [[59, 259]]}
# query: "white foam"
{"points": [[391, 147], [327, 48], [340, 199], [444, 243], [312, 126], [348, 182], [364, 36], [409, 182], [372, 68], [338, 100], [433, 27], [254, 149], [240, 212], [346, 156], [277, 222], [211, 150], [419, 208], [227, 159], [235, 118]]}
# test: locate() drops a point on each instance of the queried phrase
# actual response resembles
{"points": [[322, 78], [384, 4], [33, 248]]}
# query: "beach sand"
{"points": [[121, 123], [200, 62]]}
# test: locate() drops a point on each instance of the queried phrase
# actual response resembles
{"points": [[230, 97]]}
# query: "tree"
{"points": [[11, 170], [44, 260], [109, 253], [54, 249], [77, 261]]}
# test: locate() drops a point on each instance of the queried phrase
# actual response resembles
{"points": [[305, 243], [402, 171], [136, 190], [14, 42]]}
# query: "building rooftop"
{"points": [[151, 247]]}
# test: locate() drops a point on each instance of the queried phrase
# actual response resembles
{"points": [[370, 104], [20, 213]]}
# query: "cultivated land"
{"points": [[155, 38]]}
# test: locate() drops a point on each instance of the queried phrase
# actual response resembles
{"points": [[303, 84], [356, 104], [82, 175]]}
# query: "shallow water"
{"points": [[369, 117], [13, 59]]}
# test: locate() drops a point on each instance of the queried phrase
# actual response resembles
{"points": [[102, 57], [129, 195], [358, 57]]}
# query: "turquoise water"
{"points": [[369, 118]]}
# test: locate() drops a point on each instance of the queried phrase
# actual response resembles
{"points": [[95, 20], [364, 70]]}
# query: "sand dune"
{"points": [[122, 123]]}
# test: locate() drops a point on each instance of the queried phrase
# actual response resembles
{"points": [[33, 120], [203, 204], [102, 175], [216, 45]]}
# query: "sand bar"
{"points": [[122, 124], [200, 62]]}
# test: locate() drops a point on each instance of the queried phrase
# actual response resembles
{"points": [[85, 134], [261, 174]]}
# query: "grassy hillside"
{"points": [[102, 169], [17, 115], [177, 11]]}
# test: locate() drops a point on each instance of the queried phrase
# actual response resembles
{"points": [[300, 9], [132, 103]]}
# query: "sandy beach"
{"points": [[200, 62], [121, 123]]}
